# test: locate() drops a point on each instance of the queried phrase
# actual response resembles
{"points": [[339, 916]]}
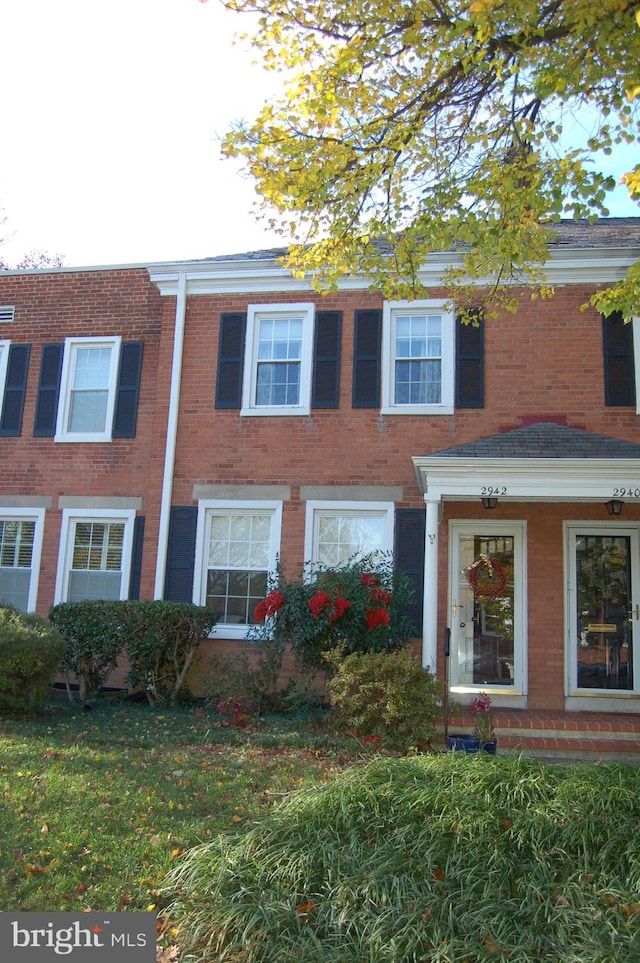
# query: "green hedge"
{"points": [[159, 639], [30, 653]]}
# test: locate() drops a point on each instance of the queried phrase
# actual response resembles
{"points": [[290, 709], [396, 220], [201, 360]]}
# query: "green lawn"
{"points": [[442, 859], [97, 806]]}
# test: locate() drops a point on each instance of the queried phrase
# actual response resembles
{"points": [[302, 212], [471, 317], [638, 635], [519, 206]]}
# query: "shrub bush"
{"points": [[160, 640], [388, 695], [252, 673], [359, 607], [92, 631], [30, 654]]}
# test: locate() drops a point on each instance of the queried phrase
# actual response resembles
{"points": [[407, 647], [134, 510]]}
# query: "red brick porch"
{"points": [[560, 735]]}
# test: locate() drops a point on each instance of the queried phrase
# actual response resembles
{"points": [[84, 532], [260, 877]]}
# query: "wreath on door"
{"points": [[486, 577]]}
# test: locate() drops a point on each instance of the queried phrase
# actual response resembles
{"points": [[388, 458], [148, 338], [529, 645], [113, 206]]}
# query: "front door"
{"points": [[603, 609], [486, 613]]}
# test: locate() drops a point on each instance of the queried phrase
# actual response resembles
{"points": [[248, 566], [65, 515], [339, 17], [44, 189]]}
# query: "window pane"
{"points": [[279, 354], [89, 392], [88, 411], [91, 586], [98, 546], [278, 384], [418, 364], [418, 382], [92, 368], [14, 587], [341, 538], [237, 564]]}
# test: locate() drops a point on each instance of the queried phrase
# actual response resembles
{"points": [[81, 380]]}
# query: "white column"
{"points": [[430, 611]]}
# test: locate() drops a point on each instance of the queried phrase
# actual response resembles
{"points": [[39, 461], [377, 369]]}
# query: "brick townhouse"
{"points": [[171, 430]]}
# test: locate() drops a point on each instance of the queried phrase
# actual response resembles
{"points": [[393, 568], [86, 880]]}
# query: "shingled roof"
{"points": [[543, 440], [615, 232]]}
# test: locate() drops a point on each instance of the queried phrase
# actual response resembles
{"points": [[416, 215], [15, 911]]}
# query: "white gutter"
{"points": [[172, 433]]}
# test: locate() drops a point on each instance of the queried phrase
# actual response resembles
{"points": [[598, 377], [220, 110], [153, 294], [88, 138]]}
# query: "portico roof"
{"points": [[544, 461]]}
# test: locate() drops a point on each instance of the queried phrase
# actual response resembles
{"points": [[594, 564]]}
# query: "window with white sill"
{"points": [[418, 358], [237, 545], [88, 389], [278, 360]]}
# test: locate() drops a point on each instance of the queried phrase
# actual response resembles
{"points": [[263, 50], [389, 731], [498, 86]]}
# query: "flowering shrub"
{"points": [[357, 608], [482, 718]]}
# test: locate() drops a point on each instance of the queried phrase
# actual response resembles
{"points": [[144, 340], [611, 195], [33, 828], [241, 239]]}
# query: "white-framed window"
{"points": [[20, 550], [237, 545], [95, 555], [337, 532], [88, 389], [4, 360], [418, 358], [278, 359]]}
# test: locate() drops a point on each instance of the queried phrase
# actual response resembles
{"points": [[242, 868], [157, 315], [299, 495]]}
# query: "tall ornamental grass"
{"points": [[448, 859]]}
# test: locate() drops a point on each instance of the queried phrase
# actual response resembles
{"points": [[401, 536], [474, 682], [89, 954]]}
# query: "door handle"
{"points": [[454, 608]]}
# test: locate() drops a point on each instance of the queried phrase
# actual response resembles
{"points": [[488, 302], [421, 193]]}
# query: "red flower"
{"points": [[340, 606], [376, 617], [368, 578], [269, 606], [381, 596], [317, 603]]}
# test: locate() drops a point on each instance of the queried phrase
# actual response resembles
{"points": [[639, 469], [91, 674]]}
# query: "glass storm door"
{"points": [[603, 607], [486, 609]]}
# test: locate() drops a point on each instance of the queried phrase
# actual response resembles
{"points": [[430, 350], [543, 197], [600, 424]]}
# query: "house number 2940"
{"points": [[626, 492], [493, 490]]}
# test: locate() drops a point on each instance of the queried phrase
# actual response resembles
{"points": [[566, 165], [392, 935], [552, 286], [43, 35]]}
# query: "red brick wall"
{"points": [[50, 308], [545, 362]]}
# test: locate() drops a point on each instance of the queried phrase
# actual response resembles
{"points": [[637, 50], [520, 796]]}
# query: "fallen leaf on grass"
{"points": [[167, 954]]}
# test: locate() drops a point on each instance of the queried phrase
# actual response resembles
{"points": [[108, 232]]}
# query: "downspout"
{"points": [[172, 434]]}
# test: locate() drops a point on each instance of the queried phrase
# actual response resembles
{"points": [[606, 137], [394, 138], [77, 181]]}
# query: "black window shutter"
{"points": [[619, 374], [128, 390], [470, 362], [366, 359], [15, 389], [48, 391], [136, 557], [230, 360], [409, 557], [181, 554], [326, 360]]}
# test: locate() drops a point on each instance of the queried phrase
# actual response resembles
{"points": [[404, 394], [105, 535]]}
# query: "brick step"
{"points": [[565, 744]]}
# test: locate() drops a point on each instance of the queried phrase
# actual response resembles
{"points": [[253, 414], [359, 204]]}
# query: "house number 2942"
{"points": [[493, 490]]}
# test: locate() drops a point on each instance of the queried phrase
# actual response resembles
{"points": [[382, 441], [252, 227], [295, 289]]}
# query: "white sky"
{"points": [[109, 122]]}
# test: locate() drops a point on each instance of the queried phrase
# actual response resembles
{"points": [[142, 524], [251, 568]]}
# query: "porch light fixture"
{"points": [[492, 502], [614, 506]]}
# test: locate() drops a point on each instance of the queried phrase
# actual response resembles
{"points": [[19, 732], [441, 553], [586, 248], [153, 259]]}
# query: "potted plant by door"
{"points": [[483, 736]]}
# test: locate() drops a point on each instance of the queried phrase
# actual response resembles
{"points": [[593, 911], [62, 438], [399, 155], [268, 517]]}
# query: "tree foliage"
{"points": [[427, 126]]}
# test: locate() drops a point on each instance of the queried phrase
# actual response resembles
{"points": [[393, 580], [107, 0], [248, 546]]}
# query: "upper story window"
{"points": [[278, 360], [87, 389], [4, 360], [418, 358]]}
